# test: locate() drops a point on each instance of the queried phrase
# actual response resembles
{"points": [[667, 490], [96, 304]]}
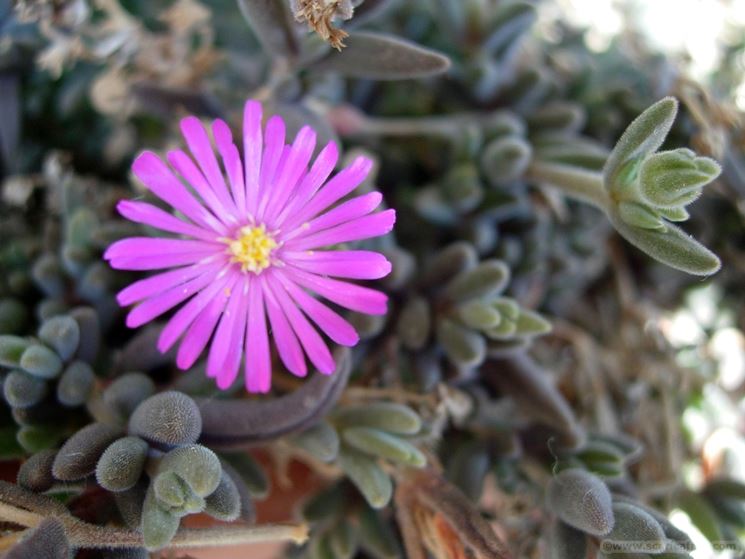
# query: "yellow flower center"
{"points": [[252, 248]]}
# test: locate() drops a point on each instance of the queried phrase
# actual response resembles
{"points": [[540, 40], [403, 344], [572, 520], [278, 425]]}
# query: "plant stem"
{"points": [[581, 184], [85, 535]]}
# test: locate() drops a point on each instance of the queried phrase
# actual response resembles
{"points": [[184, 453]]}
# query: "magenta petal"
{"points": [[351, 264], [158, 283], [147, 214], [224, 357], [293, 168], [199, 332], [312, 181], [186, 315], [149, 253], [274, 144], [332, 324], [374, 225], [348, 211], [344, 182], [285, 339], [200, 146], [253, 144], [258, 363], [184, 165], [231, 161], [348, 295], [160, 180], [157, 305], [314, 346]]}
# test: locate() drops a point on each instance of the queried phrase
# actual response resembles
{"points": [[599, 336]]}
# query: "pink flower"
{"points": [[252, 247]]}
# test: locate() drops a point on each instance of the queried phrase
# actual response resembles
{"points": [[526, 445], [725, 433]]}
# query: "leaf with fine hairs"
{"points": [[643, 136], [670, 246], [46, 541], [382, 57]]}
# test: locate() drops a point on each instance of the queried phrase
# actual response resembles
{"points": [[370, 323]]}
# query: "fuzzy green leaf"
{"points": [[197, 465], [384, 445], [670, 246], [634, 530], [41, 361], [581, 500], [386, 416], [158, 526], [374, 484], [321, 441], [61, 333], [487, 279], [463, 346], [638, 215], [414, 323], [121, 464], [170, 418], [669, 179], [643, 136], [478, 314]]}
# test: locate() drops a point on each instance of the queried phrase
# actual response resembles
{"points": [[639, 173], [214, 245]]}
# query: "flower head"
{"points": [[249, 254]]}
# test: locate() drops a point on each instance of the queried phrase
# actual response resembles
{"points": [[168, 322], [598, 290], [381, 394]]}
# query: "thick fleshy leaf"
{"points": [[642, 137], [581, 500], [670, 246], [674, 178], [382, 57]]}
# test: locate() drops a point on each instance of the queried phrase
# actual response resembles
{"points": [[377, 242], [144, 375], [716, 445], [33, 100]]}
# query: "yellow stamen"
{"points": [[252, 248]]}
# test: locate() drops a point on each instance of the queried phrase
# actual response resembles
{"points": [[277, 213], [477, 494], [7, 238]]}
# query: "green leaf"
{"points": [[376, 535], [387, 416], [634, 530], [11, 350], [463, 346], [566, 542], [701, 514], [531, 323], [224, 503], [640, 216], [374, 484], [669, 179], [197, 465], [158, 526], [671, 246], [382, 57], [384, 445], [79, 455], [504, 160], [22, 390], [41, 361], [674, 214], [414, 323], [121, 464], [320, 441], [61, 333], [643, 136], [478, 314], [487, 279], [581, 500]]}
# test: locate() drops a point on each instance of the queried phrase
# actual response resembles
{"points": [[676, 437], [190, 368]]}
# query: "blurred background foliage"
{"points": [[530, 357]]}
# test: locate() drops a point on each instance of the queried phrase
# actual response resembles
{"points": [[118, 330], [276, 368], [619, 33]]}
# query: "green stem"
{"points": [[581, 184]]}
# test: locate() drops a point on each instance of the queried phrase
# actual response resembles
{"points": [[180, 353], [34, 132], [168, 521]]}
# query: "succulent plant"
{"points": [[494, 369]]}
